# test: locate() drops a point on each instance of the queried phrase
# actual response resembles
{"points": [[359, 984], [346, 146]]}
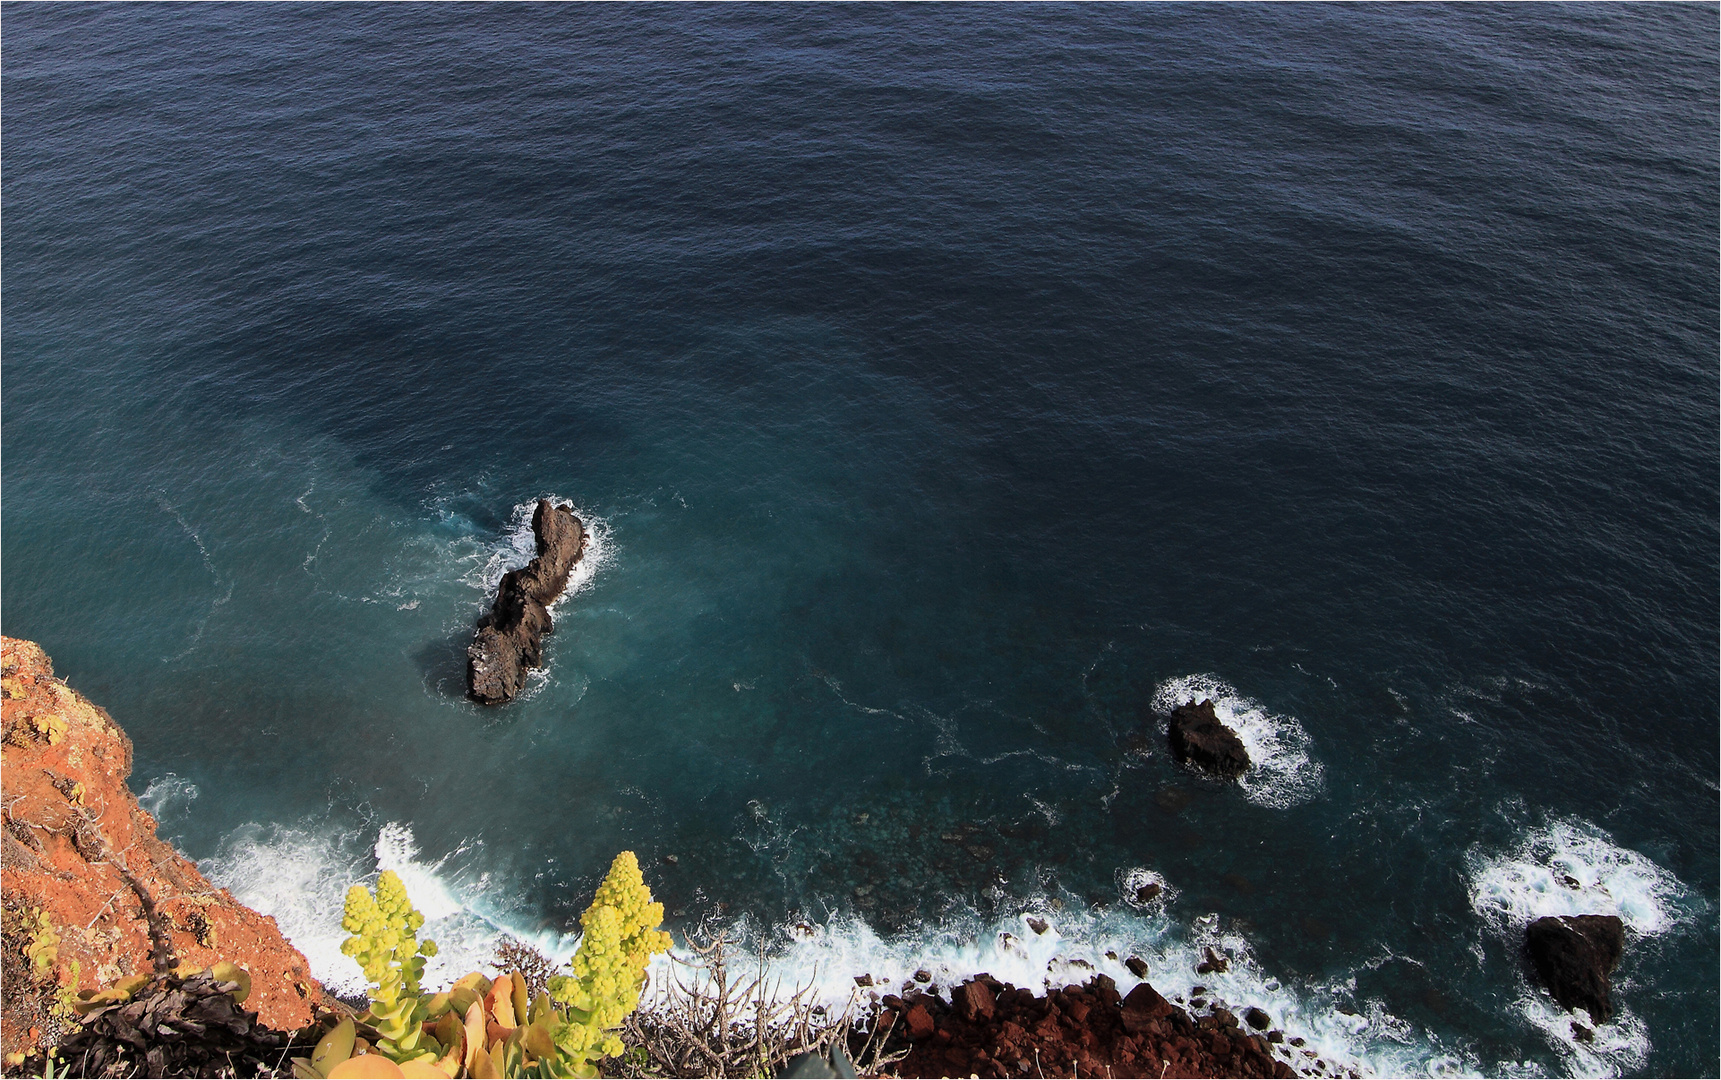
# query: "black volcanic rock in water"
{"points": [[1197, 736], [511, 637], [1574, 955]]}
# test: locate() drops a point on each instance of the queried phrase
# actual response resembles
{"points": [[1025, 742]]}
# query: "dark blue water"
{"points": [[951, 391]]}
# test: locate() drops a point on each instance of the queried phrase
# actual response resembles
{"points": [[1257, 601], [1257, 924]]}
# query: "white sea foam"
{"points": [[301, 876], [1619, 1046], [168, 798], [1282, 772], [1570, 867], [1339, 1032], [517, 546], [1131, 880]]}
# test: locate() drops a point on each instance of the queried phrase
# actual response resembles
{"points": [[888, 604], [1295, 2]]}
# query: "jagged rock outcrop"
{"points": [[1575, 955], [1198, 737], [993, 1029], [90, 893], [510, 637]]}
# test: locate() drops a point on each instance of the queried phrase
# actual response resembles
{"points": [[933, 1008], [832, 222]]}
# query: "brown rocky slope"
{"points": [[90, 893]]}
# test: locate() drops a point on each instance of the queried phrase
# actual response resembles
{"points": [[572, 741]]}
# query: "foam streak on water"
{"points": [[168, 797]]}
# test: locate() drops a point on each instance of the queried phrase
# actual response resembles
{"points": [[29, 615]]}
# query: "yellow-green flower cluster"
{"points": [[384, 941], [620, 937]]}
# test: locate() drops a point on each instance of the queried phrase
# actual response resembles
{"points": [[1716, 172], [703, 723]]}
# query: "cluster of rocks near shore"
{"points": [[992, 1029], [1574, 955]]}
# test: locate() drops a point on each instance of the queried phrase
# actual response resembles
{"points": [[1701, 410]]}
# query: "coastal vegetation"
{"points": [[480, 1027]]}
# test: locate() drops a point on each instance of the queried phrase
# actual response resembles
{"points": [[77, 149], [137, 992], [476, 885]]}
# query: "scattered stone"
{"points": [[1038, 925], [672, 859], [1574, 955], [1085, 1030], [863, 980], [1582, 1034], [1137, 967], [1198, 737], [1257, 1018], [1149, 892], [923, 976]]}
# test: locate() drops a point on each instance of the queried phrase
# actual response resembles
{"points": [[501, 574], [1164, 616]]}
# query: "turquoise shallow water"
{"points": [[949, 395]]}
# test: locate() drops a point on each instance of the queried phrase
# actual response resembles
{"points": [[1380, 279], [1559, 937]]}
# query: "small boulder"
{"points": [[975, 1000], [920, 1023], [1197, 737], [1137, 967], [1574, 955]]}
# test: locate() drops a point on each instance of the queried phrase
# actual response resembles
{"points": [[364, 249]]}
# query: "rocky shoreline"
{"points": [[992, 1029], [93, 897]]}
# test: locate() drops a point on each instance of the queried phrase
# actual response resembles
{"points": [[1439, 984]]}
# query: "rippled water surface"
{"points": [[952, 391]]}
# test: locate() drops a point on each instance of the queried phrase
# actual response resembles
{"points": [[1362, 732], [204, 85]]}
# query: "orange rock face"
{"points": [[79, 849]]}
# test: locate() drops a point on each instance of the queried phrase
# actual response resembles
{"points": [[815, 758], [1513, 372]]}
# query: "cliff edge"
{"points": [[90, 893]]}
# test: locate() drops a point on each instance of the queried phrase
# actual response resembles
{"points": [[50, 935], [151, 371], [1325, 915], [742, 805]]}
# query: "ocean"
{"points": [[951, 390]]}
